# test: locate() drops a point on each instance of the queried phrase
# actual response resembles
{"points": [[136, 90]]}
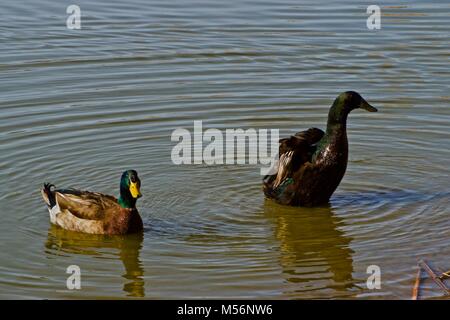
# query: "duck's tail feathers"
{"points": [[49, 195], [268, 185]]}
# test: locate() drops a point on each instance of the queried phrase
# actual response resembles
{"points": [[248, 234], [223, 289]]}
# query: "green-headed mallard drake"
{"points": [[96, 213], [312, 162]]}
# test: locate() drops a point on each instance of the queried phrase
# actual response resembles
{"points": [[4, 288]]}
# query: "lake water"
{"points": [[77, 107]]}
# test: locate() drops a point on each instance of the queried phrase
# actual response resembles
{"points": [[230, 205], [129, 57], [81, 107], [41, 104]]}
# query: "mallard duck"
{"points": [[96, 213], [312, 162]]}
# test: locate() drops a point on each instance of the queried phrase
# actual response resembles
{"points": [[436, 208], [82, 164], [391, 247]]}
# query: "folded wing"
{"points": [[85, 204]]}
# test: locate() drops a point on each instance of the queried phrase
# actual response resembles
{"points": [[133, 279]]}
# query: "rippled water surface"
{"points": [[77, 107]]}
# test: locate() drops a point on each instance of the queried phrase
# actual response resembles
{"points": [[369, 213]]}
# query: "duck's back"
{"points": [[311, 166]]}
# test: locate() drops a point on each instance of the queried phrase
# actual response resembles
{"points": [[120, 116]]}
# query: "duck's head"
{"points": [[351, 100], [130, 189], [343, 105]]}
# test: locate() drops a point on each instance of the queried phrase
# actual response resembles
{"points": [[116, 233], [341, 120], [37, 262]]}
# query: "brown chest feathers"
{"points": [[122, 221]]}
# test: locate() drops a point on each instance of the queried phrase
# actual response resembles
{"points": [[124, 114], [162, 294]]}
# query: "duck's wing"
{"points": [[294, 152], [85, 204]]}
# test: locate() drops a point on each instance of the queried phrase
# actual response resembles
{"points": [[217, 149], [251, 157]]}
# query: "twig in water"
{"points": [[433, 276], [416, 287]]}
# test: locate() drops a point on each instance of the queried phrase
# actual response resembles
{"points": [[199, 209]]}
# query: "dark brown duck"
{"points": [[312, 163]]}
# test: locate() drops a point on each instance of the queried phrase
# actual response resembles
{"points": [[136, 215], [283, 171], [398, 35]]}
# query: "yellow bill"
{"points": [[134, 190]]}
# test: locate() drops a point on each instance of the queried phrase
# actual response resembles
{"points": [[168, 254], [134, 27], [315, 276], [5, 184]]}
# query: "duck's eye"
{"points": [[133, 179]]}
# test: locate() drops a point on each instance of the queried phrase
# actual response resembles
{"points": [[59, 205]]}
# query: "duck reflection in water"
{"points": [[128, 247], [314, 252]]}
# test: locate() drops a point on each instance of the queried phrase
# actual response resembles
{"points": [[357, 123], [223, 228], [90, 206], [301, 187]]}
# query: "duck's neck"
{"points": [[127, 203], [125, 199], [333, 148], [337, 120]]}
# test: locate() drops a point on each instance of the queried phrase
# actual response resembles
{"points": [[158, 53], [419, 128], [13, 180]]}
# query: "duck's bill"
{"points": [[134, 190], [364, 105]]}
